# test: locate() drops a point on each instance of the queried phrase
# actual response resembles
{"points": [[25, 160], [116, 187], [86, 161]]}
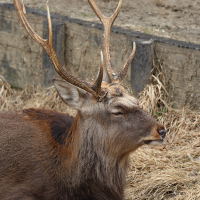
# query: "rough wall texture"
{"points": [[83, 46], [78, 44], [20, 57], [181, 68], [142, 64]]}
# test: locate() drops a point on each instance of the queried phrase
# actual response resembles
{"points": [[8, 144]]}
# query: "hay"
{"points": [[31, 97], [171, 173], [174, 172]]}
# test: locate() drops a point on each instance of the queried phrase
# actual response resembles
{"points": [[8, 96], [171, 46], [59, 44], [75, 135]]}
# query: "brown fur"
{"points": [[49, 155]]}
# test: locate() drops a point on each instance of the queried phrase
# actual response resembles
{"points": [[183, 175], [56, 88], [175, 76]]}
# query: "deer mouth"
{"points": [[155, 143]]}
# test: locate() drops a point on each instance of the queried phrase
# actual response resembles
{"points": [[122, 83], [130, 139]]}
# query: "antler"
{"points": [[107, 23], [47, 46]]}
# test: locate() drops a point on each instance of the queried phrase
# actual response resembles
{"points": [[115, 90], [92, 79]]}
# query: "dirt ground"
{"points": [[177, 19]]}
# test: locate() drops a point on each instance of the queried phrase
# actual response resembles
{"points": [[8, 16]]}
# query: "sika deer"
{"points": [[49, 155]]}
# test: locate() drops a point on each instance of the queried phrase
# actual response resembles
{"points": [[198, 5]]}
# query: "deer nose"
{"points": [[162, 133]]}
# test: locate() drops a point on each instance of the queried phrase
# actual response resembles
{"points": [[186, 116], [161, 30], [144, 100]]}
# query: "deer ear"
{"points": [[70, 94]]}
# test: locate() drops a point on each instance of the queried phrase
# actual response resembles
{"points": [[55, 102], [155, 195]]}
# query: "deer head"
{"points": [[106, 111]]}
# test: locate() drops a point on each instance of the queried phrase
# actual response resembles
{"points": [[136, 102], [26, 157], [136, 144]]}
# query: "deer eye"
{"points": [[118, 113]]}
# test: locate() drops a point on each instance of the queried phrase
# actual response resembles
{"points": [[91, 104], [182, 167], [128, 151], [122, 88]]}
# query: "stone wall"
{"points": [[181, 69], [83, 46], [20, 57], [78, 44]]}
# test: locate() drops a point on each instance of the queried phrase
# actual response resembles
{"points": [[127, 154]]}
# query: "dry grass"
{"points": [[31, 97], [171, 173], [174, 172]]}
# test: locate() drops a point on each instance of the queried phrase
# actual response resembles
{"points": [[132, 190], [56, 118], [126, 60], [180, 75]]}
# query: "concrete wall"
{"points": [[181, 69], [24, 62], [78, 44], [20, 57], [83, 46]]}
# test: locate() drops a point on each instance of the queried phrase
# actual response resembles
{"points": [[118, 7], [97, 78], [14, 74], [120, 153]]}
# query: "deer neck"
{"points": [[89, 162]]}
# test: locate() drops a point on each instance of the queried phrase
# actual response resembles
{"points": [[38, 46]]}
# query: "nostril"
{"points": [[162, 133]]}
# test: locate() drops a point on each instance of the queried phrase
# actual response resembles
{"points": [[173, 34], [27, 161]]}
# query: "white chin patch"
{"points": [[155, 143]]}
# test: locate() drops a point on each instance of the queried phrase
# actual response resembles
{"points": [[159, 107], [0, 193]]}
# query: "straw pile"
{"points": [[31, 97], [173, 172], [170, 173]]}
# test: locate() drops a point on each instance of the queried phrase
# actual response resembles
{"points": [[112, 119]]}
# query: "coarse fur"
{"points": [[49, 155]]}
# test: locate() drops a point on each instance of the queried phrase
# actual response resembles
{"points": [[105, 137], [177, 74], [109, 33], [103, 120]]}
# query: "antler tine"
{"points": [[97, 83], [124, 70], [47, 45], [107, 23]]}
